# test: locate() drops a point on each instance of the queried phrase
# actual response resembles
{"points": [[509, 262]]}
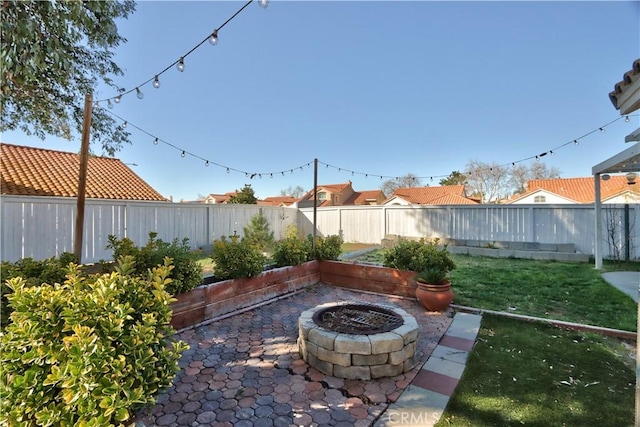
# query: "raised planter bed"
{"points": [[219, 298], [215, 299], [371, 278]]}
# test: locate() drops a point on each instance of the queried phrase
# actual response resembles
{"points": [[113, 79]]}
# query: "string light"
{"points": [[109, 104], [340, 169], [626, 119], [206, 163], [213, 39], [602, 130], [139, 93], [117, 99]]}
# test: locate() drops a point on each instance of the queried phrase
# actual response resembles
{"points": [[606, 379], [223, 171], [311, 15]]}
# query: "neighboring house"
{"points": [[442, 195], [371, 197], [29, 171], [279, 201], [578, 191], [341, 195], [216, 199]]}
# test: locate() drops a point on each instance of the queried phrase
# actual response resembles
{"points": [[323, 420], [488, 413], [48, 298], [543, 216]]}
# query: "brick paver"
{"points": [[245, 370]]}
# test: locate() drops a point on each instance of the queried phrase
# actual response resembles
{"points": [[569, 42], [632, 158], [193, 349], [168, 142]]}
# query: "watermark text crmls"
{"points": [[401, 417]]}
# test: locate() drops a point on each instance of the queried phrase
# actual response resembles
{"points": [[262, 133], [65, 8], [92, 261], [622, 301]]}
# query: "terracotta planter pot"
{"points": [[434, 297]]}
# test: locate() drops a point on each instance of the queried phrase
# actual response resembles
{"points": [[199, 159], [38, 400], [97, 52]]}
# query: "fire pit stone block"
{"points": [[358, 356]]}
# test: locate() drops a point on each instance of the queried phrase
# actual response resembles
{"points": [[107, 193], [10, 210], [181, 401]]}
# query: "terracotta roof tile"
{"points": [[622, 86], [28, 171], [278, 201], [580, 190], [426, 195], [361, 197]]}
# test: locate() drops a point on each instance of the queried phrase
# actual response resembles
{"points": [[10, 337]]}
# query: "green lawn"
{"points": [[573, 292], [536, 375]]}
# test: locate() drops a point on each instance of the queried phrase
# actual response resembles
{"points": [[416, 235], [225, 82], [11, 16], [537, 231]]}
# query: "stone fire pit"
{"points": [[358, 341]]}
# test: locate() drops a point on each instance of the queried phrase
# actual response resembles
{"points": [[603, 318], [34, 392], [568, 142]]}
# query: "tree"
{"points": [[408, 180], [520, 174], [454, 178], [296, 192], [246, 196], [258, 234], [53, 54], [487, 180]]}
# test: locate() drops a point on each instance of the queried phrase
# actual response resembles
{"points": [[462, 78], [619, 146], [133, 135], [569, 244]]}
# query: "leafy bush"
{"points": [[292, 250], [236, 258], [90, 351], [258, 234], [418, 255], [51, 270], [328, 248], [186, 274]]}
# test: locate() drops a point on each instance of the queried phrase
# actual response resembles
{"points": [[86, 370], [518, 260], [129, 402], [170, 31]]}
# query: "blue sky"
{"points": [[381, 88]]}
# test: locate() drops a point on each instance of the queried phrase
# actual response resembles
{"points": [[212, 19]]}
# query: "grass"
{"points": [[572, 292], [524, 373]]}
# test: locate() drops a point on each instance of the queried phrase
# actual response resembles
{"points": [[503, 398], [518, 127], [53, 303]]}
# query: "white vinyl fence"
{"points": [[516, 223], [42, 227]]}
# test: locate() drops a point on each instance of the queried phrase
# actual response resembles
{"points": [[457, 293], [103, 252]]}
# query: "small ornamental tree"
{"points": [[258, 234], [90, 351], [246, 196]]}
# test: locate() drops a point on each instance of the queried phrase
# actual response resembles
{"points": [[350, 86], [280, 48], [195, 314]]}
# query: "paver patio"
{"points": [[245, 370]]}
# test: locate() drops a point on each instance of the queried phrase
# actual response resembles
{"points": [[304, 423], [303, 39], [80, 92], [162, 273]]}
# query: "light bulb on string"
{"points": [[263, 3], [228, 171], [601, 129], [213, 39], [552, 153], [206, 163], [156, 82], [626, 119], [124, 125], [180, 65], [139, 93], [183, 154], [117, 99], [155, 141], [109, 104], [575, 141]]}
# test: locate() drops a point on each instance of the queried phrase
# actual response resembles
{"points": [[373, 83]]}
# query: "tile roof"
{"points": [[426, 195], [581, 190], [623, 86], [278, 201], [361, 197], [29, 171]]}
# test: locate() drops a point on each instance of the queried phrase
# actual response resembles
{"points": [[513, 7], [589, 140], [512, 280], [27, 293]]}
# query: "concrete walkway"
{"points": [[627, 281], [424, 401]]}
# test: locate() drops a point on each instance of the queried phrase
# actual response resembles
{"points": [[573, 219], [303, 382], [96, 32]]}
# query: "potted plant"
{"points": [[432, 265]]}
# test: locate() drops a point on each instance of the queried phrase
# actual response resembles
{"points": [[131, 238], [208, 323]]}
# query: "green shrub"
{"points": [[328, 248], [51, 270], [292, 250], [236, 258], [418, 255], [186, 274], [258, 234], [90, 351]]}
